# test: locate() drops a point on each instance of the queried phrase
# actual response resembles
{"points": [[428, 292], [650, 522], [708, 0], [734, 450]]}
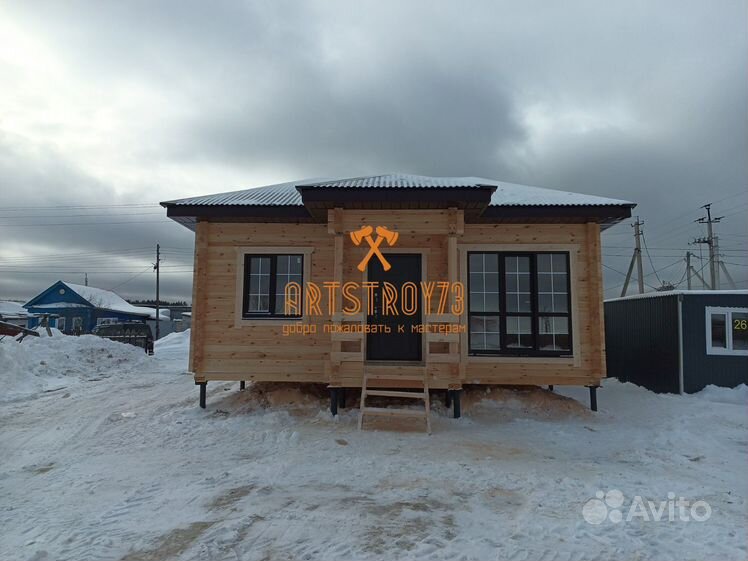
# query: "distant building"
{"points": [[81, 308], [678, 341], [14, 312]]}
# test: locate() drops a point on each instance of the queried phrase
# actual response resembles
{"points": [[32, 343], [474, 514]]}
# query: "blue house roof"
{"points": [[63, 295]]}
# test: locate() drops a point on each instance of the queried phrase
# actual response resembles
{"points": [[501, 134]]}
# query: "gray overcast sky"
{"points": [[129, 103]]}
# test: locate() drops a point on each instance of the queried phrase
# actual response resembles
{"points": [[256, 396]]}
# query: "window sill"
{"points": [[256, 321], [515, 359], [726, 352]]}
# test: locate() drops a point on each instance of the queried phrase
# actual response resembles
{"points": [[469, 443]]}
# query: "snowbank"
{"points": [[174, 342], [172, 352], [736, 396], [42, 331], [50, 363]]}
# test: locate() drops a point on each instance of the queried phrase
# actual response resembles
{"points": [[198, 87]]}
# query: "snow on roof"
{"points": [[506, 194], [108, 300], [513, 194], [9, 308], [280, 194], [658, 294]]}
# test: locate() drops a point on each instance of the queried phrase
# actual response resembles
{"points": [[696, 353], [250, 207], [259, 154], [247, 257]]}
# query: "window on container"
{"points": [[727, 331], [519, 303], [719, 332], [739, 331], [265, 280]]}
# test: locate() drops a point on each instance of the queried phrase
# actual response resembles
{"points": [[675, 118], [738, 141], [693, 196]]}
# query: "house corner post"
{"points": [[456, 228], [595, 288], [199, 296], [335, 228]]}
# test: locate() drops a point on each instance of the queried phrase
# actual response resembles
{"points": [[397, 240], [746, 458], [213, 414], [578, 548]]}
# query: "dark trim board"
{"points": [[449, 197]]}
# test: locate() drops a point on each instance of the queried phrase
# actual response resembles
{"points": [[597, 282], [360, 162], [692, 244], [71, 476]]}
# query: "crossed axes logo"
{"points": [[383, 234]]}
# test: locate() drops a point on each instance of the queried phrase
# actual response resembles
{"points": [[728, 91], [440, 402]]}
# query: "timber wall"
{"points": [[224, 347]]}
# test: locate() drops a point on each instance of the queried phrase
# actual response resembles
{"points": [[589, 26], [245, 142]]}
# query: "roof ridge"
{"points": [[339, 179]]}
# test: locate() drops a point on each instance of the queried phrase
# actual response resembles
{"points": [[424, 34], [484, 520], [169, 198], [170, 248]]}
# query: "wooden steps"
{"points": [[394, 377], [393, 393], [387, 412], [422, 394]]}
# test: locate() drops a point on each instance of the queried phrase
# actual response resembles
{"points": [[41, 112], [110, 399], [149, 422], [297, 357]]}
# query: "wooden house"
{"points": [[435, 282]]}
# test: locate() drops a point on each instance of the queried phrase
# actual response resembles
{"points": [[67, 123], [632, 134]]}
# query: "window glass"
{"points": [[739, 331], [553, 281], [553, 334], [259, 284], [517, 273], [289, 269], [484, 282], [719, 333], [519, 303], [484, 332], [519, 333], [266, 280]]}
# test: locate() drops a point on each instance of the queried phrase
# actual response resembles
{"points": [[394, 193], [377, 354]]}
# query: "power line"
{"points": [[60, 207], [651, 263], [136, 275], [79, 272], [37, 224]]}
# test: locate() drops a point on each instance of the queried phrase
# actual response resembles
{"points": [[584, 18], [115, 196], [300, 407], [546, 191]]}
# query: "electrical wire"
{"points": [[136, 275], [644, 241]]}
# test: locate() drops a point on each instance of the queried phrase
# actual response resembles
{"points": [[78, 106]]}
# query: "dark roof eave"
{"points": [[603, 214], [446, 195], [189, 215]]}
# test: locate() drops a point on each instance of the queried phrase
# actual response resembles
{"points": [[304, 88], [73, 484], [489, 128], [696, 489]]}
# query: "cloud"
{"points": [[132, 103]]}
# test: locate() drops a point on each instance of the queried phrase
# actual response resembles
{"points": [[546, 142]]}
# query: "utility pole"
{"points": [[636, 258], [157, 268], [713, 243], [717, 263], [694, 272], [85, 279]]}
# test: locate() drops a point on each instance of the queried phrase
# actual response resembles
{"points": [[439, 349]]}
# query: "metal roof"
{"points": [[506, 194], [397, 181], [280, 194], [662, 293]]}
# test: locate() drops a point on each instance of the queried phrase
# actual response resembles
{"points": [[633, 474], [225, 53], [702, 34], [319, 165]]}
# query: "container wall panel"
{"points": [[641, 338]]}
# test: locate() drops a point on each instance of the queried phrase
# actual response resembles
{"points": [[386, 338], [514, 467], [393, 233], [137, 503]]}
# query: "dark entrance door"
{"points": [[401, 343]]}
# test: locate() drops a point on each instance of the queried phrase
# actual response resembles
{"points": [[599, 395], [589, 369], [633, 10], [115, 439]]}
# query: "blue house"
{"points": [[77, 309]]}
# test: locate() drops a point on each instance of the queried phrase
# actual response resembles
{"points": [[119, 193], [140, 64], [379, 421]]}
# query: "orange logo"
{"points": [[383, 234]]}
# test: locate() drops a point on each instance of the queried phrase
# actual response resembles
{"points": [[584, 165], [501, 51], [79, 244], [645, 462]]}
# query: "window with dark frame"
{"points": [[519, 303], [265, 280]]}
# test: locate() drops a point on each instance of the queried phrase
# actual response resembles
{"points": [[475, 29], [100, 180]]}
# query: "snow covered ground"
{"points": [[104, 454]]}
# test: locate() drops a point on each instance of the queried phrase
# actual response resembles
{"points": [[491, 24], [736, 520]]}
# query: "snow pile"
{"points": [[172, 352], [174, 343], [51, 363], [9, 308], [42, 331], [509, 402], [736, 396]]}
